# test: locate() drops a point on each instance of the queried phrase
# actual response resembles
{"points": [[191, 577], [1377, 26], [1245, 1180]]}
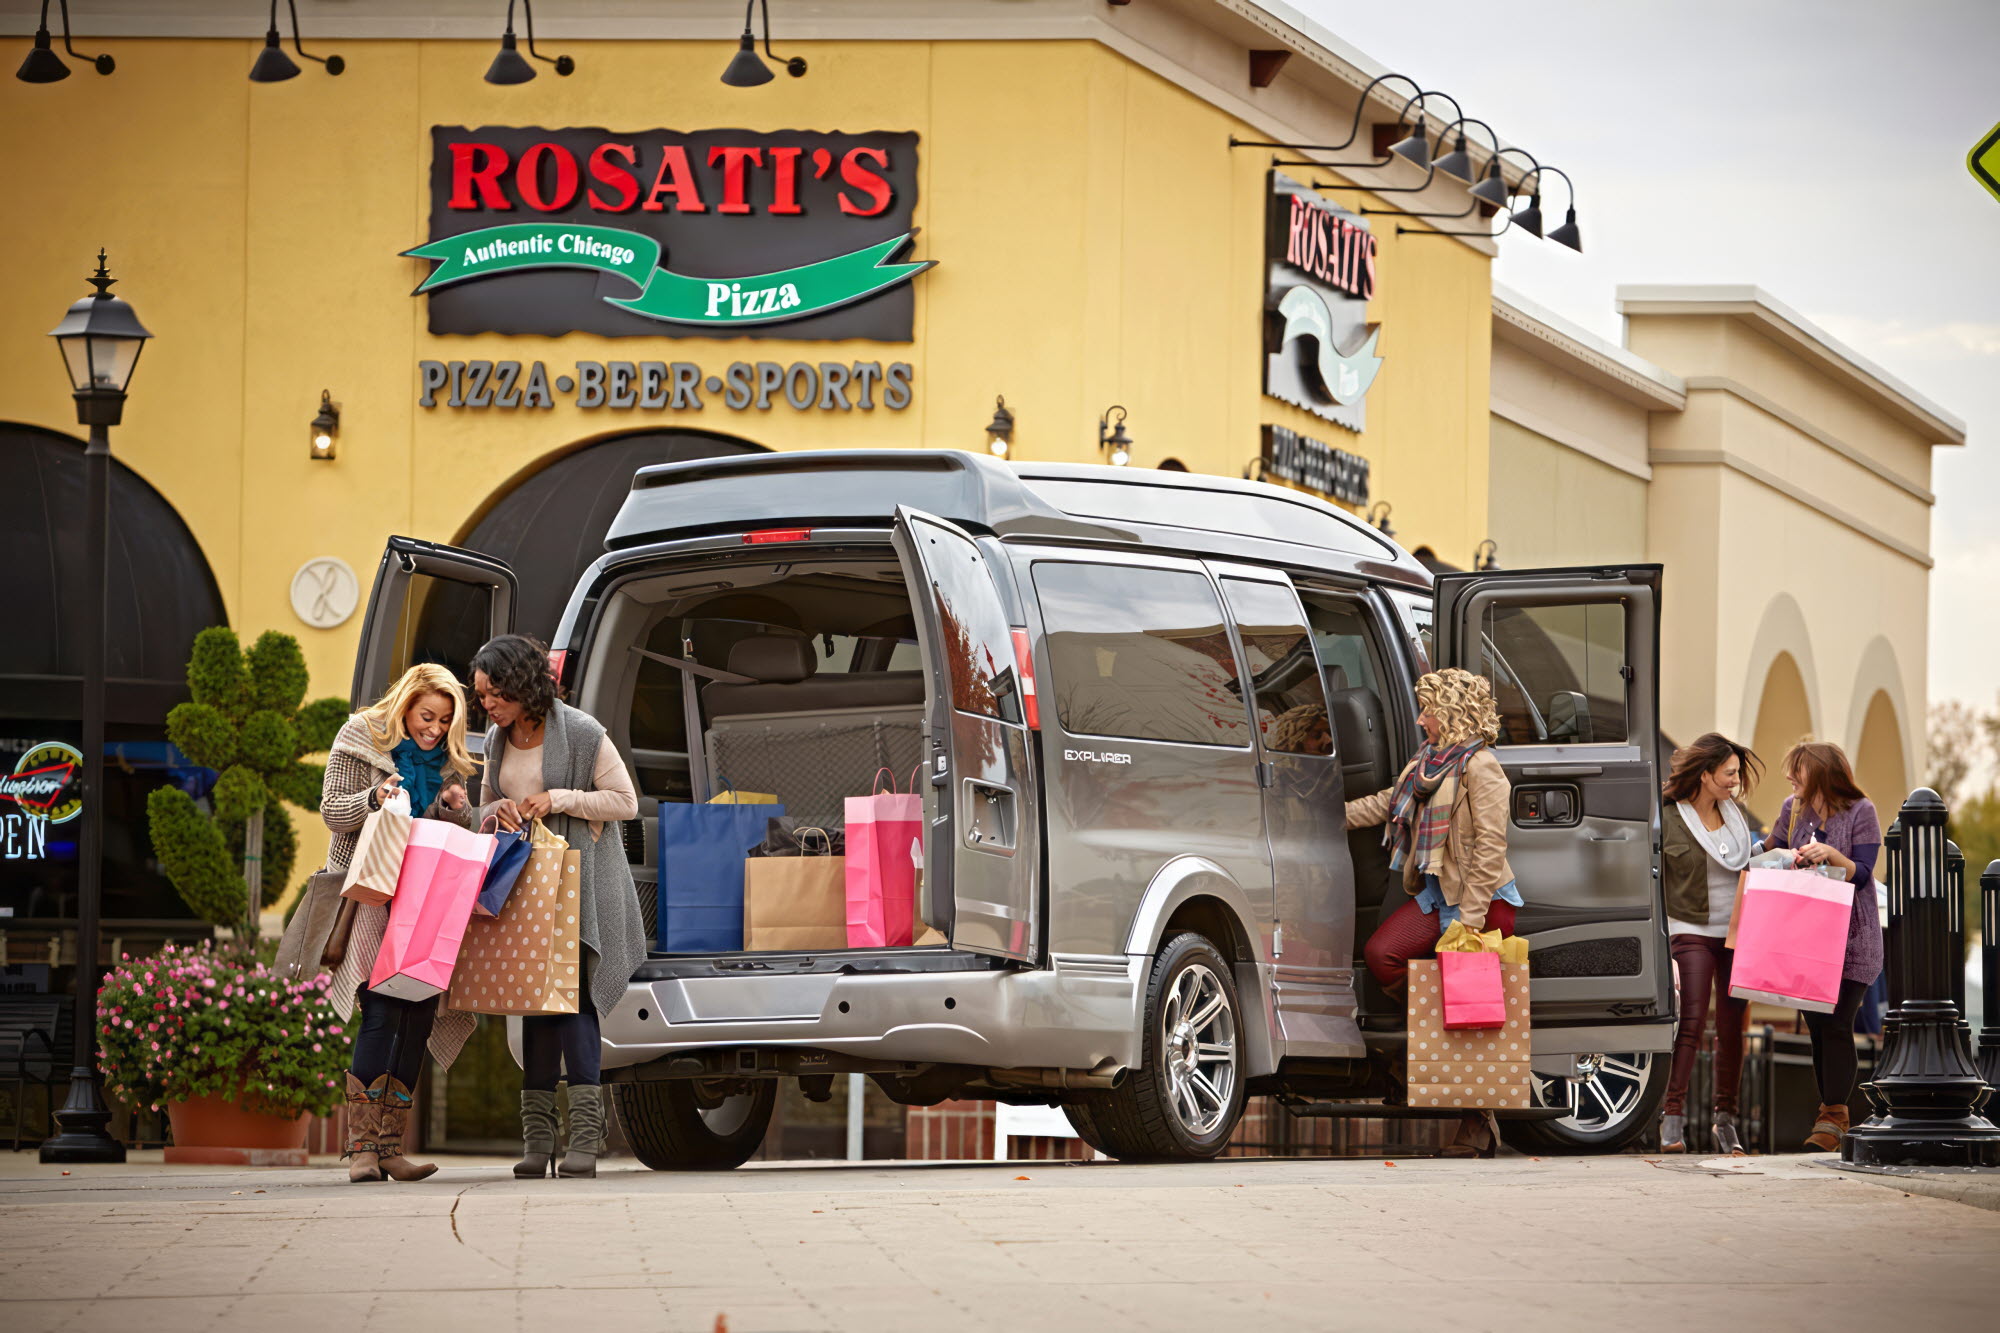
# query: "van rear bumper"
{"points": [[1076, 1013]]}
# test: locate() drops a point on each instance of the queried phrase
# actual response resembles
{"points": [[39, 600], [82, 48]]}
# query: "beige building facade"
{"points": [[1782, 480]]}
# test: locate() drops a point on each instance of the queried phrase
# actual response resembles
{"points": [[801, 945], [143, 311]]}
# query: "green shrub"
{"points": [[270, 742], [216, 673], [193, 856], [277, 672], [238, 794]]}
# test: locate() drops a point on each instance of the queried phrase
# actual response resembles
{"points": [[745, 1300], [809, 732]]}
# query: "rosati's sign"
{"points": [[711, 233], [1319, 348]]}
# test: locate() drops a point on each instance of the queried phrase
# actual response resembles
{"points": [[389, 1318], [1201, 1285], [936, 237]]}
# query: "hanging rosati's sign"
{"points": [[1319, 348], [712, 233]]}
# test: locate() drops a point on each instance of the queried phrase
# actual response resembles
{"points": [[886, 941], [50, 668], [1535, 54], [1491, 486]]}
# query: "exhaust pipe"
{"points": [[1106, 1075]]}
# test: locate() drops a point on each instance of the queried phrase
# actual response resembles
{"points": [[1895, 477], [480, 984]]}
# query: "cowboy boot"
{"points": [[363, 1132], [586, 1131], [1829, 1128], [395, 1112], [538, 1134]]}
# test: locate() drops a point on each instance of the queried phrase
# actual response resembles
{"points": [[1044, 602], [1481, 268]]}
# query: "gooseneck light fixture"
{"points": [[101, 338], [325, 428], [1529, 219], [1415, 100], [1111, 436], [43, 65], [1491, 190], [273, 65], [1378, 519], [1486, 555], [509, 65], [1567, 234], [746, 70], [1000, 430]]}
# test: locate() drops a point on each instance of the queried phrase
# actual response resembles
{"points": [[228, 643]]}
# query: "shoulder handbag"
{"points": [[318, 918]]}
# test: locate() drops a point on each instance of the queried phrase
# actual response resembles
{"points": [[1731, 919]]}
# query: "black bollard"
{"points": [[1954, 874], [1989, 974], [1892, 973], [1927, 1086]]}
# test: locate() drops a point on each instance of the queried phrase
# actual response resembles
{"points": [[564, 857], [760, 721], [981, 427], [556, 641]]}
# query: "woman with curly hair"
{"points": [[1446, 831], [411, 740], [548, 761]]}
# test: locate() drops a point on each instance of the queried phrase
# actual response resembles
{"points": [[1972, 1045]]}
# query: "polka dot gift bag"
{"points": [[528, 959]]}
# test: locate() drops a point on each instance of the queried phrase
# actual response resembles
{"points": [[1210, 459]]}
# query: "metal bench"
{"points": [[33, 1049]]}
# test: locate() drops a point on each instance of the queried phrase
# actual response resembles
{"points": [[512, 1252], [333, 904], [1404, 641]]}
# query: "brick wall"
{"points": [[964, 1129], [951, 1131]]}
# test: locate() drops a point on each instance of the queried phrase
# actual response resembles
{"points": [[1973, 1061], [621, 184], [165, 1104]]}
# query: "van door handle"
{"points": [[1562, 771], [1611, 837]]}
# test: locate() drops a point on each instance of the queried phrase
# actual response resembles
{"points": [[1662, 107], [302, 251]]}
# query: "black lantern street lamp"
{"points": [[1927, 1088], [101, 339]]}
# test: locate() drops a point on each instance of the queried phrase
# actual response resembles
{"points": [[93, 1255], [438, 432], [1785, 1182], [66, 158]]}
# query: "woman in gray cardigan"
{"points": [[548, 761]]}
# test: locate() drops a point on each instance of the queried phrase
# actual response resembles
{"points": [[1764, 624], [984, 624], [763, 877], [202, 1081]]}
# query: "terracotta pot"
{"points": [[215, 1132]]}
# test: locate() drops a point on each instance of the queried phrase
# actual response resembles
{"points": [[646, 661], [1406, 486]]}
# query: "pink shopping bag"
{"points": [[443, 867], [1474, 995], [1791, 939], [881, 877]]}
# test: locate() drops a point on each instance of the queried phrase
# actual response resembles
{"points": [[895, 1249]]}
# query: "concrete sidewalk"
{"points": [[1515, 1243]]}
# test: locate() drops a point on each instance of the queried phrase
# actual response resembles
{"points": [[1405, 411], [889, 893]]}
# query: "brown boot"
{"points": [[395, 1113], [363, 1132], [1829, 1128]]}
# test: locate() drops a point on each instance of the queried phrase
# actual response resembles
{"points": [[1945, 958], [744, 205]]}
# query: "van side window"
{"points": [[979, 644], [1139, 653], [1362, 736], [1284, 677], [1557, 672]]}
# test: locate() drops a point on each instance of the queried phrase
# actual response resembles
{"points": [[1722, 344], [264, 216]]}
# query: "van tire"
{"points": [[665, 1123], [1634, 1087], [1139, 1120]]}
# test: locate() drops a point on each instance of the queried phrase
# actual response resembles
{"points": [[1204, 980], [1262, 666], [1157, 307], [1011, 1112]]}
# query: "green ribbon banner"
{"points": [[673, 298]]}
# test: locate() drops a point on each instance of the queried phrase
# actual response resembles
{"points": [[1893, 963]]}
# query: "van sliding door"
{"points": [[1573, 656], [981, 847]]}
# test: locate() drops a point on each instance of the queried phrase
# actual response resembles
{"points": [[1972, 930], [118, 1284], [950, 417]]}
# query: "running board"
{"points": [[1377, 1111]]}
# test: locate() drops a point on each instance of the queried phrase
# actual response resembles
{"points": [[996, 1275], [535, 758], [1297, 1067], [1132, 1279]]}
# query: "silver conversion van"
{"points": [[1136, 703]]}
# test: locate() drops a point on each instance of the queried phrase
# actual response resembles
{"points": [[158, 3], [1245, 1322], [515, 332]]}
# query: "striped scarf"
{"points": [[1420, 809]]}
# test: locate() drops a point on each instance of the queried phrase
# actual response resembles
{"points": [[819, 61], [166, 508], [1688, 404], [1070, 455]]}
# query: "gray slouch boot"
{"points": [[538, 1134], [586, 1131]]}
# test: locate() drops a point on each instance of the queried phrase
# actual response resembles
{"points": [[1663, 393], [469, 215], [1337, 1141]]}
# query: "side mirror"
{"points": [[1568, 717]]}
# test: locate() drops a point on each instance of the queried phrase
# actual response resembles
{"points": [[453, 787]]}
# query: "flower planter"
{"points": [[210, 1131]]}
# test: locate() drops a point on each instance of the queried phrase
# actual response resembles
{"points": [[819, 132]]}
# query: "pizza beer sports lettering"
{"points": [[794, 234]]}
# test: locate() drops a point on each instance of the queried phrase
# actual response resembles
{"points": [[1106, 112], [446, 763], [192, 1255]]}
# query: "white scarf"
{"points": [[1734, 831]]}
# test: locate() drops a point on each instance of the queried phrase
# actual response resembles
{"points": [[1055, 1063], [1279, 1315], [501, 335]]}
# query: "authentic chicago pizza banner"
{"points": [[790, 234]]}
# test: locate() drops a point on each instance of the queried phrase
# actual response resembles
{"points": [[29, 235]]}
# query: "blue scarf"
{"points": [[422, 770]]}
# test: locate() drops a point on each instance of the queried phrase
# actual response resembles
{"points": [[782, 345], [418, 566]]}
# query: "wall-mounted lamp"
{"points": [[1378, 518], [746, 70], [1486, 555], [1416, 99], [325, 428], [273, 65], [509, 65], [1000, 430], [1566, 234], [1111, 437], [43, 65]]}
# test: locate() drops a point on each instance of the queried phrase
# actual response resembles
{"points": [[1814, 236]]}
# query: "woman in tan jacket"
{"points": [[1447, 828]]}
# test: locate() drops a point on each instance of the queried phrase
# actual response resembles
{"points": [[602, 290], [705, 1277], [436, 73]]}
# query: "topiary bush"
{"points": [[246, 718]]}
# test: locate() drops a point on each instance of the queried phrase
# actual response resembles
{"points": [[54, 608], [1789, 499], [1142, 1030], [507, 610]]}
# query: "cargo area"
{"points": [[795, 681]]}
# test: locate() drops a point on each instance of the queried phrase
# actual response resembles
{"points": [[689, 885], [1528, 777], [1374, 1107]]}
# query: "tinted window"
{"points": [[1209, 511], [1139, 653], [1341, 637], [978, 643], [1284, 674], [1557, 671]]}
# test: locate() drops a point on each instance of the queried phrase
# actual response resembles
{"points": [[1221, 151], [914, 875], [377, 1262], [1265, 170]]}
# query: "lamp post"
{"points": [[1926, 1086], [101, 339]]}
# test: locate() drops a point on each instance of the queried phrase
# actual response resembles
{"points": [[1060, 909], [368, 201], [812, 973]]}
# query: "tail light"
{"points": [[766, 536], [1024, 667]]}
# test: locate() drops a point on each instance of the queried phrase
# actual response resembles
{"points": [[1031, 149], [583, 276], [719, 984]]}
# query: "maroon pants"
{"points": [[1704, 963], [1411, 931]]}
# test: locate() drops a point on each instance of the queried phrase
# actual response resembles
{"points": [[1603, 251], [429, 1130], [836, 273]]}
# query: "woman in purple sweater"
{"points": [[1829, 822]]}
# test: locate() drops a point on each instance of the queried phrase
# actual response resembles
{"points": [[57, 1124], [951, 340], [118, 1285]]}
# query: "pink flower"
{"points": [[315, 1048]]}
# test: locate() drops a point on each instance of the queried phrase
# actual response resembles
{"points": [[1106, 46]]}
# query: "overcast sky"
{"points": [[1815, 148]]}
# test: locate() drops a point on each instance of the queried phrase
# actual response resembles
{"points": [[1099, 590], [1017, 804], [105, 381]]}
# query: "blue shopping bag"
{"points": [[701, 873], [510, 858]]}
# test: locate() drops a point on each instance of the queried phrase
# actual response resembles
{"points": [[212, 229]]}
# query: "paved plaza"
{"points": [[1515, 1243]]}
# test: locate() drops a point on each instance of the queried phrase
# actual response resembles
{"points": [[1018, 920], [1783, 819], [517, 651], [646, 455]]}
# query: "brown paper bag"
{"points": [[795, 903], [528, 959], [1486, 1068]]}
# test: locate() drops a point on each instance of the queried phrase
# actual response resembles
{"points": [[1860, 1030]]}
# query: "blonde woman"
{"points": [[413, 741]]}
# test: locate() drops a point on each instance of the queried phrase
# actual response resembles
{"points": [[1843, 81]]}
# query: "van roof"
{"points": [[1062, 501]]}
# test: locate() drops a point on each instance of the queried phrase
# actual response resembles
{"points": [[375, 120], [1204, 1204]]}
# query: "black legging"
{"points": [[1833, 1045], [392, 1037], [553, 1043]]}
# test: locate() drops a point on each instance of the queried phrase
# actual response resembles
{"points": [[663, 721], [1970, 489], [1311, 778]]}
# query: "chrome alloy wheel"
{"points": [[723, 1112], [1605, 1091], [1198, 1043]]}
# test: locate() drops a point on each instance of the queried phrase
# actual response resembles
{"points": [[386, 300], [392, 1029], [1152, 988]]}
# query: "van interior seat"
{"points": [[1361, 733], [811, 740]]}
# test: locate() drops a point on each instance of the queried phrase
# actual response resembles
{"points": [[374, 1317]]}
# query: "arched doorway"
{"points": [[1878, 757], [161, 593], [1783, 719]]}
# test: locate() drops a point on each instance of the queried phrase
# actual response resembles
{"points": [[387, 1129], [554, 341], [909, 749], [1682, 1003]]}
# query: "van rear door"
{"points": [[984, 828], [430, 603], [1573, 655]]}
